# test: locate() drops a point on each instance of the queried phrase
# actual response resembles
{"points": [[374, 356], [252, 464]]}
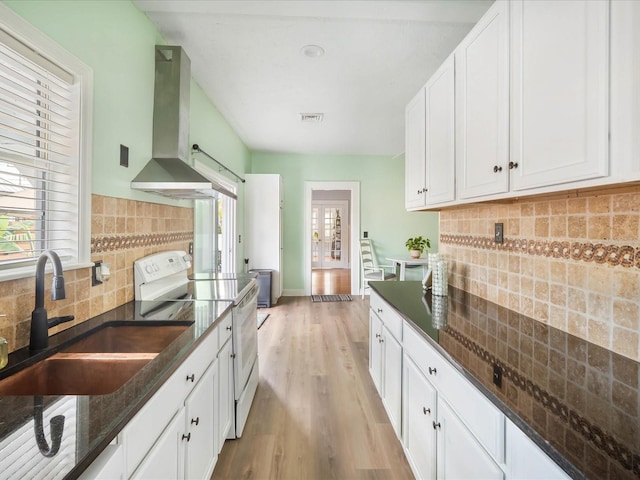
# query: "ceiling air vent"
{"points": [[311, 117]]}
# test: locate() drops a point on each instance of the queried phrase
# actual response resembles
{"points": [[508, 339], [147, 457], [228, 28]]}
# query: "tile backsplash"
{"points": [[122, 231], [572, 263]]}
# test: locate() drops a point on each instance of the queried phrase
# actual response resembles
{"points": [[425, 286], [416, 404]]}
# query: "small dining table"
{"points": [[403, 262]]}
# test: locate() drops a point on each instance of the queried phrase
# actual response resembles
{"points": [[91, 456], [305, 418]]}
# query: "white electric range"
{"points": [[161, 280]]}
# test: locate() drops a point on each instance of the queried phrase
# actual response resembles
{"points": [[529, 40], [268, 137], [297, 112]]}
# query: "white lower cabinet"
{"points": [[180, 430], [526, 460], [459, 454], [436, 441], [201, 451], [385, 366], [418, 414], [449, 429], [224, 394], [375, 350], [165, 461], [108, 466]]}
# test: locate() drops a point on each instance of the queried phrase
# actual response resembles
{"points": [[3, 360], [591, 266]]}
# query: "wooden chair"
{"points": [[370, 270]]}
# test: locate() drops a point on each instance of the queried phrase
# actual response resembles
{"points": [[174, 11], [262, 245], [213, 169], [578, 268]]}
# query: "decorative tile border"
{"points": [[601, 440], [615, 255], [106, 243]]}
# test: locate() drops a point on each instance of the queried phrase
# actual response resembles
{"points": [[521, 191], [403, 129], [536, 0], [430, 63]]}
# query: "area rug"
{"points": [[261, 318], [330, 298]]}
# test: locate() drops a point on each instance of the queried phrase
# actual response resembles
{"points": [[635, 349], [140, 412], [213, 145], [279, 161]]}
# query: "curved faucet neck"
{"points": [[58, 282]]}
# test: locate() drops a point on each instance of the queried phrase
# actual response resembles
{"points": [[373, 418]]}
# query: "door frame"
{"points": [[354, 229]]}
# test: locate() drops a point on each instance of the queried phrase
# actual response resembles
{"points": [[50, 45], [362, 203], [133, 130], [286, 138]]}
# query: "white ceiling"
{"points": [[246, 55]]}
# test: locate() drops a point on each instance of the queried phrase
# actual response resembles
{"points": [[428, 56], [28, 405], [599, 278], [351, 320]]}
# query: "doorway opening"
{"points": [[332, 213], [330, 242]]}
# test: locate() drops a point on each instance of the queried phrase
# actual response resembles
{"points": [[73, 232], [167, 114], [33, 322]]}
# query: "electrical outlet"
{"points": [[190, 248], [365, 234], [497, 376], [124, 156], [499, 232]]}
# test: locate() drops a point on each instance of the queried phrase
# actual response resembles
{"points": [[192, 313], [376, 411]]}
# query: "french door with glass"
{"points": [[329, 234]]}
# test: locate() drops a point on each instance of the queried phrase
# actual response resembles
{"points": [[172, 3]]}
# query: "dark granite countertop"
{"points": [[578, 401], [97, 419]]}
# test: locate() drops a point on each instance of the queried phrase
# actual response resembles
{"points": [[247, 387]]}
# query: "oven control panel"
{"points": [[161, 265]]}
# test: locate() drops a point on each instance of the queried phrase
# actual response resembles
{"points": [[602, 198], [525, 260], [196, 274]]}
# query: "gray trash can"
{"points": [[264, 284]]}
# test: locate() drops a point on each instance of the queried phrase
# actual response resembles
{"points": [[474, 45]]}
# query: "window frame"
{"points": [[229, 217], [21, 30]]}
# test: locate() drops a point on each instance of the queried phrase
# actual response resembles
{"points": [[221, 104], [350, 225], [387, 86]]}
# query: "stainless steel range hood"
{"points": [[168, 172]]}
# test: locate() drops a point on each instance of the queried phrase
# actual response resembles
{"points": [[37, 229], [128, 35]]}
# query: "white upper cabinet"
{"points": [[625, 94], [482, 106], [414, 156], [430, 141], [559, 91], [546, 100], [440, 135]]}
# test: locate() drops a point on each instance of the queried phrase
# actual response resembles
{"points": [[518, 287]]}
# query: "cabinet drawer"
{"points": [[224, 330], [477, 413], [424, 356], [391, 319], [200, 359]]}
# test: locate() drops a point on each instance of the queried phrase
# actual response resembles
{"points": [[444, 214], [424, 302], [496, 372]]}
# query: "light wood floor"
{"points": [[316, 414], [330, 281]]}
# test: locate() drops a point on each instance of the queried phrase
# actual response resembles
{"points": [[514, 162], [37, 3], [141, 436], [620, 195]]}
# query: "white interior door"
{"points": [[330, 234]]}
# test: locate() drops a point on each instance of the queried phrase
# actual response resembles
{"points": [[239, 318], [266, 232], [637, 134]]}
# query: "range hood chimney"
{"points": [[168, 172]]}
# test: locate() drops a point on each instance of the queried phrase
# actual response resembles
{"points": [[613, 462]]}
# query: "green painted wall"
{"points": [[117, 41], [382, 211]]}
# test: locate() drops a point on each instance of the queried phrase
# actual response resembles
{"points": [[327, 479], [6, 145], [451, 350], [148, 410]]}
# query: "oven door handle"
{"points": [[249, 298]]}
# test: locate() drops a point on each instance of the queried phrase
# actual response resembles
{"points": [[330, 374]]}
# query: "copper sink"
{"points": [[76, 374], [128, 339], [98, 364]]}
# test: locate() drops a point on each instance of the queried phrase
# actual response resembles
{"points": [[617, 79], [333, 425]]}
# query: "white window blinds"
{"points": [[39, 156]]}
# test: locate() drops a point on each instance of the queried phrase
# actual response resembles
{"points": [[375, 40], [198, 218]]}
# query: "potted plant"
{"points": [[416, 246]]}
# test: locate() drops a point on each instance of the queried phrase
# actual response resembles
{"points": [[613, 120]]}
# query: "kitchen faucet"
{"points": [[40, 324]]}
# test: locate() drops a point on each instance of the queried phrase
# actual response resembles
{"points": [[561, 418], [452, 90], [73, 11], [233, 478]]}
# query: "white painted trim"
{"points": [[354, 230], [230, 215], [26, 33]]}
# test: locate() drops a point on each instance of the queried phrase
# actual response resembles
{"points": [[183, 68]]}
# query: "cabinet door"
{"points": [[375, 350], [482, 106], [440, 135], [392, 378], [460, 456], [224, 394], [559, 94], [165, 461], [108, 466], [414, 157], [418, 414], [201, 452], [526, 461], [625, 97]]}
